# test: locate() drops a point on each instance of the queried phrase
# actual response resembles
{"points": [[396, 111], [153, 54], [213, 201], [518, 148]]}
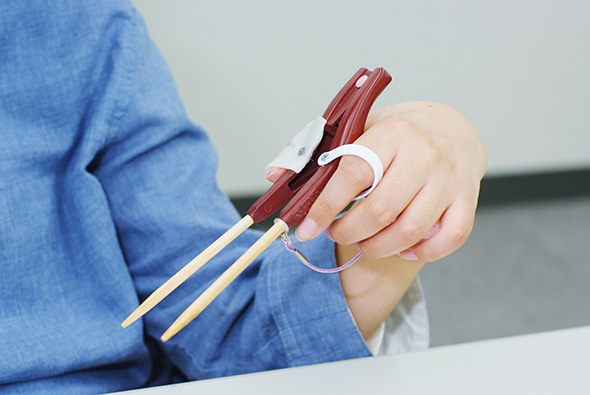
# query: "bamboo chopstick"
{"points": [[225, 279], [188, 270]]}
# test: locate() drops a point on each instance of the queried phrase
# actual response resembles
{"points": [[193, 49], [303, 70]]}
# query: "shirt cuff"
{"points": [[374, 343], [407, 328]]}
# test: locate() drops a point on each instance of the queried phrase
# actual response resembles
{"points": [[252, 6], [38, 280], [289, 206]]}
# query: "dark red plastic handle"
{"points": [[346, 117]]}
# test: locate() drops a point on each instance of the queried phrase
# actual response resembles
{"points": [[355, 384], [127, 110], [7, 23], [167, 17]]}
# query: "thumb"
{"points": [[274, 173]]}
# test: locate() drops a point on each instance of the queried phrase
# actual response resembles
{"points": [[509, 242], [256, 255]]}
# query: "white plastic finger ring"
{"points": [[362, 152]]}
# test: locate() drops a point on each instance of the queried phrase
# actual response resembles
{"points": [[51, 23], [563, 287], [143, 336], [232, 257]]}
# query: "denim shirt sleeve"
{"points": [[158, 173]]}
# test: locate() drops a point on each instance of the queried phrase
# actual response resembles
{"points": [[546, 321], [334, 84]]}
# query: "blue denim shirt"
{"points": [[106, 190]]}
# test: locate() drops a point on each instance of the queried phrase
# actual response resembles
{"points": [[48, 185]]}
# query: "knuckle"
{"points": [[410, 231], [396, 124], [431, 153], [459, 234], [455, 238], [380, 211]]}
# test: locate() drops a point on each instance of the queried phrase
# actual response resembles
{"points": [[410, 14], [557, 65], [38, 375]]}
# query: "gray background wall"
{"points": [[254, 72]]}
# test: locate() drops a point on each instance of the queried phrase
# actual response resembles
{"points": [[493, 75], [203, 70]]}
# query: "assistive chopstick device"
{"points": [[315, 156]]}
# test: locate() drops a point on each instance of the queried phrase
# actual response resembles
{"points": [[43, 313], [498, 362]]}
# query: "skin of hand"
{"points": [[422, 210]]}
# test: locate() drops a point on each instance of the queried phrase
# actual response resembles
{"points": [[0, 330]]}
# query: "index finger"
{"points": [[352, 176]]}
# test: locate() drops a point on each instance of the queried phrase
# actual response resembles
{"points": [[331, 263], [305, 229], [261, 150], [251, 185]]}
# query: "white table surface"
{"points": [[544, 363]]}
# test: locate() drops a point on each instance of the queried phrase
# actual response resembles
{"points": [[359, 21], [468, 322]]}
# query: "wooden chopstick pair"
{"points": [[218, 286]]}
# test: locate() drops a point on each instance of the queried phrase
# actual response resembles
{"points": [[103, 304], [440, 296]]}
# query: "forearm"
{"points": [[374, 287]]}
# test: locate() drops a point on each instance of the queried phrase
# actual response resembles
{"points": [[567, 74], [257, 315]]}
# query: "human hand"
{"points": [[424, 206]]}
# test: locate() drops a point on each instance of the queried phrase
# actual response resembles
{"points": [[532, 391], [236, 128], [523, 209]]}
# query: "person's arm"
{"points": [[422, 210], [374, 287]]}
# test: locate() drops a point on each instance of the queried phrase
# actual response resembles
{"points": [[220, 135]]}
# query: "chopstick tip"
{"points": [[176, 326], [168, 334], [129, 320]]}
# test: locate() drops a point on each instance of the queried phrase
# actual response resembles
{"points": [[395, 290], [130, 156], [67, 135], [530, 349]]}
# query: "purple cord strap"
{"points": [[289, 246]]}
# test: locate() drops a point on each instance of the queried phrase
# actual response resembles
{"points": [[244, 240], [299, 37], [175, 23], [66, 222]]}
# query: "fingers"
{"points": [[398, 188], [424, 206], [412, 213], [422, 235], [352, 176], [455, 227], [418, 221]]}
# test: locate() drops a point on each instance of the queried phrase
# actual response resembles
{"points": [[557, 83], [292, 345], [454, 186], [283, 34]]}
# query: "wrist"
{"points": [[373, 287]]}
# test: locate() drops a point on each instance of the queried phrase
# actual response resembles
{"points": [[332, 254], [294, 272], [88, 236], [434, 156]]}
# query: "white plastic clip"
{"points": [[362, 152]]}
